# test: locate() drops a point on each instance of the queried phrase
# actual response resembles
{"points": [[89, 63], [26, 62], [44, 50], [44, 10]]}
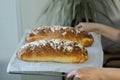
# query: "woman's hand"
{"points": [[87, 73], [104, 30], [88, 27], [91, 73]]}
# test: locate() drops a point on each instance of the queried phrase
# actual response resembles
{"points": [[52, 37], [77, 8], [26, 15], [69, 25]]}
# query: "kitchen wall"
{"points": [[29, 11], [8, 37]]}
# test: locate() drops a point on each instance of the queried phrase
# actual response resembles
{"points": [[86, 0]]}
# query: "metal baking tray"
{"points": [[17, 66]]}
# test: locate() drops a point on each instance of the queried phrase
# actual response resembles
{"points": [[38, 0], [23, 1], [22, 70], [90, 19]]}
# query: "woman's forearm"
{"points": [[111, 73], [108, 32], [91, 73]]}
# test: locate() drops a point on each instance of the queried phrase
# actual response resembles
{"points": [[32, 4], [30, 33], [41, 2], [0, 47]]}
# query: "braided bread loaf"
{"points": [[53, 50], [58, 32]]}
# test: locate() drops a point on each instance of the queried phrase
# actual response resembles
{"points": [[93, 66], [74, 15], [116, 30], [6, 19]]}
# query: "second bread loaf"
{"points": [[60, 32]]}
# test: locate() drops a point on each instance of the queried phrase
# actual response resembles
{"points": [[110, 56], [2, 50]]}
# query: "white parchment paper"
{"points": [[95, 59]]}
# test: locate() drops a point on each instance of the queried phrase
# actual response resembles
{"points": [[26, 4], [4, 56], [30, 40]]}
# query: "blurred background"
{"points": [[17, 16]]}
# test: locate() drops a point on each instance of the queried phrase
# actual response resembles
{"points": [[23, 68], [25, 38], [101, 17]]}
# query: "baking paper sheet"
{"points": [[95, 59]]}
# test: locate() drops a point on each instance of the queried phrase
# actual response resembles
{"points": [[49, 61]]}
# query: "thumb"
{"points": [[80, 25], [71, 75]]}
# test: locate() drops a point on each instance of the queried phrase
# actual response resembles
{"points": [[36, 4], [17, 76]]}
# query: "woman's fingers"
{"points": [[80, 26], [76, 77], [71, 75]]}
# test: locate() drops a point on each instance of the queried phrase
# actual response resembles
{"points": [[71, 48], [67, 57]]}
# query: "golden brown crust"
{"points": [[53, 50], [58, 32]]}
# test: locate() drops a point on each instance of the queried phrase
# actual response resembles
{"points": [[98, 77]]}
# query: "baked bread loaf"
{"points": [[58, 32], [53, 50]]}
